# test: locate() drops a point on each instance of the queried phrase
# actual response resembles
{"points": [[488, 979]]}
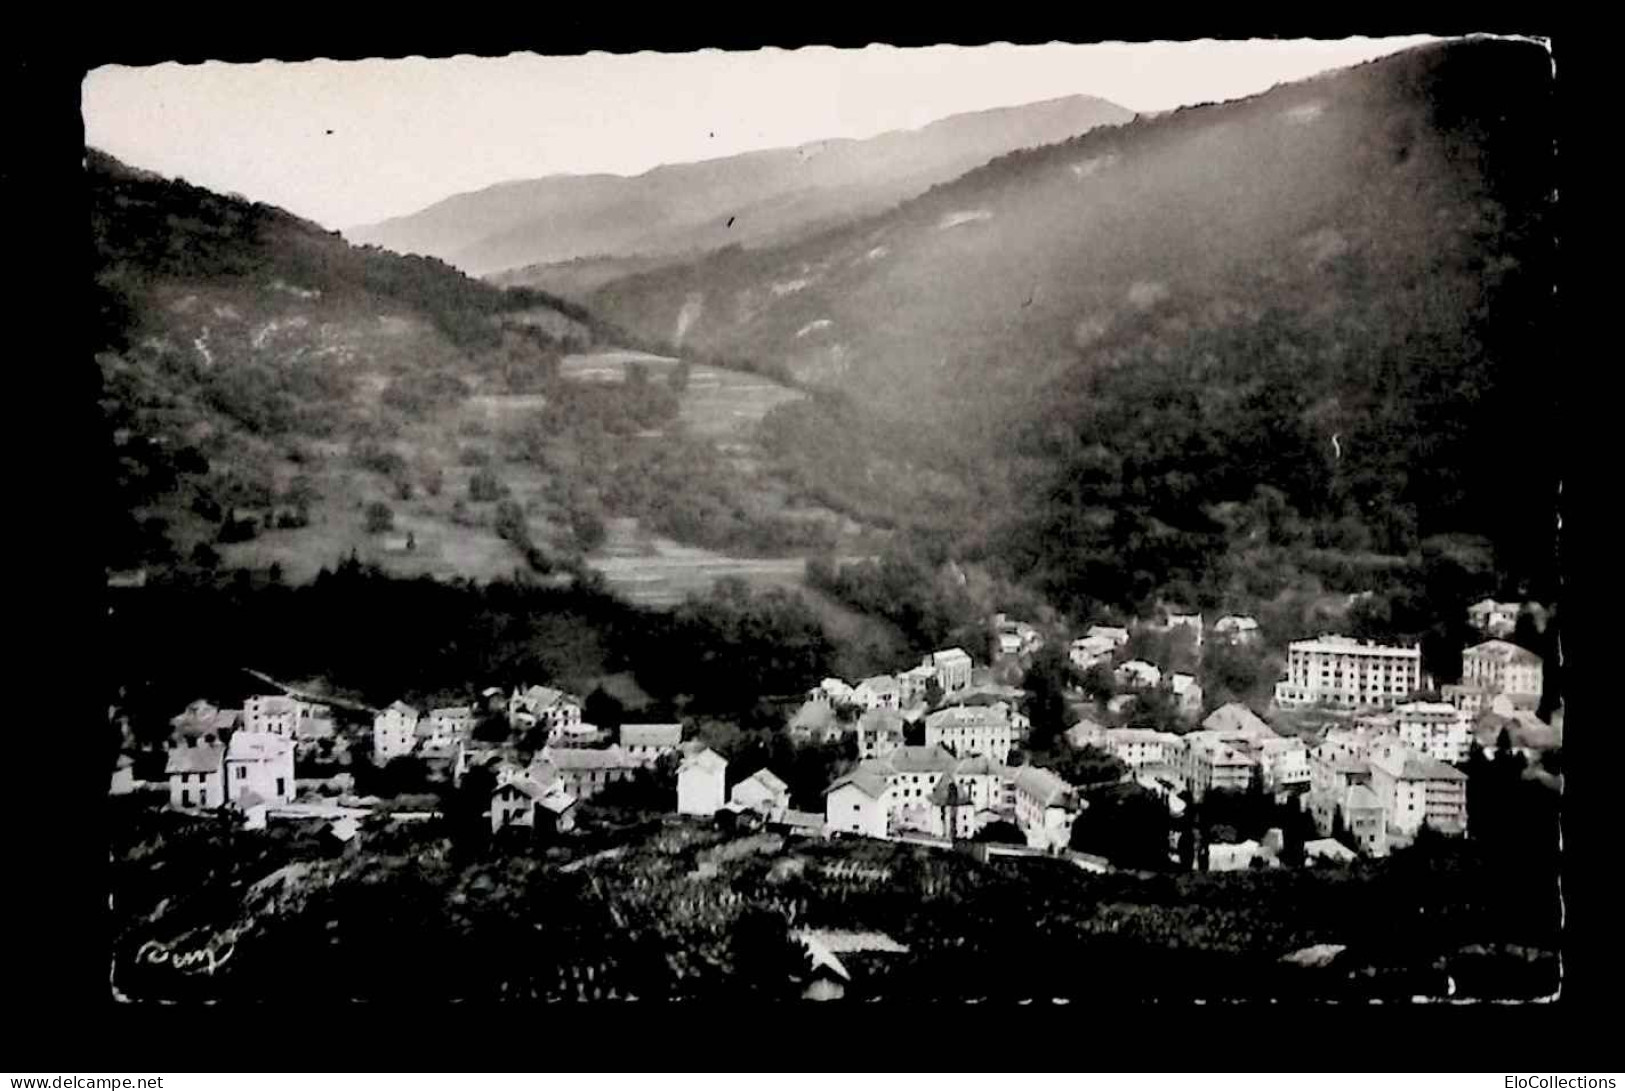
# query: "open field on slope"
{"points": [[722, 405]]}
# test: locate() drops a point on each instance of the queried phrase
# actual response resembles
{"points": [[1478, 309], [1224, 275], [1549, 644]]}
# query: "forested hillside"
{"points": [[1310, 328], [274, 395]]}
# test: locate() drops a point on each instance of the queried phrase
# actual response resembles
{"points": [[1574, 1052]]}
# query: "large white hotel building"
{"points": [[1342, 671]]}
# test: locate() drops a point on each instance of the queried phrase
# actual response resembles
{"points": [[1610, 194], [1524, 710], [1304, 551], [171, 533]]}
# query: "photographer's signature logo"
{"points": [[205, 959]]}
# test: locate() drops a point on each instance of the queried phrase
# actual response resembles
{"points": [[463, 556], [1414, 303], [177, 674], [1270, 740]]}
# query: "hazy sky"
{"points": [[351, 142]]}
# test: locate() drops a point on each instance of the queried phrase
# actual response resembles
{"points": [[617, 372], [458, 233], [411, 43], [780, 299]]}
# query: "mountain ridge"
{"points": [[683, 206], [1362, 253]]}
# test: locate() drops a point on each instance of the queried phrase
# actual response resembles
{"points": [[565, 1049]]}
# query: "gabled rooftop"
{"points": [[865, 781], [707, 760], [921, 759]]}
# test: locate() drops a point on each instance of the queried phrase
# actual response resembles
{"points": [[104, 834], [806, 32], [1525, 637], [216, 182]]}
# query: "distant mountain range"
{"points": [[753, 199]]}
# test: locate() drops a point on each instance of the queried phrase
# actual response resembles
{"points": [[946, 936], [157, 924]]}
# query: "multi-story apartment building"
{"points": [[1416, 789], [1139, 747], [1502, 667], [970, 730], [1438, 730], [1347, 673]]}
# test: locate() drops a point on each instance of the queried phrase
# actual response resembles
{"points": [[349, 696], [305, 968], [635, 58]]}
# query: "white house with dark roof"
{"points": [[701, 783], [1046, 807], [856, 804], [647, 742], [261, 763], [881, 691], [522, 797], [761, 792], [197, 775], [394, 732]]}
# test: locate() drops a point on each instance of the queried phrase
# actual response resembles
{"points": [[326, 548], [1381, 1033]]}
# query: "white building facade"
{"points": [[1347, 673]]}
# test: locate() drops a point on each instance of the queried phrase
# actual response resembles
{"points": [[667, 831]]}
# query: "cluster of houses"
{"points": [[1385, 770], [1233, 750], [239, 757], [1016, 638], [1393, 768], [831, 710], [1102, 643], [931, 791]]}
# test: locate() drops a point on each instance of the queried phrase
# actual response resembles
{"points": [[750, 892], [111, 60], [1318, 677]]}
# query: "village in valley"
{"points": [[1031, 547], [1358, 756]]}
